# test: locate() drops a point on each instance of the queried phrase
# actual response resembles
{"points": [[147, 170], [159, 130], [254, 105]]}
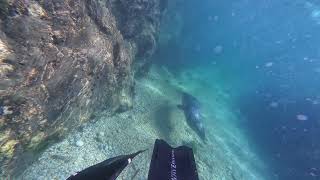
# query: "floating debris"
{"points": [[302, 117]]}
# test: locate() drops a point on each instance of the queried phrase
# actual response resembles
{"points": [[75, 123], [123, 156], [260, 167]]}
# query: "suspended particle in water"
{"points": [[218, 49], [268, 95], [268, 64], [315, 13], [308, 36], [216, 18], [278, 42], [302, 117], [197, 48], [274, 104], [313, 174], [210, 18], [317, 70]]}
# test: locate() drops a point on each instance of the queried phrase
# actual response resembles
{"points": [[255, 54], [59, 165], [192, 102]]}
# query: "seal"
{"points": [[191, 107]]}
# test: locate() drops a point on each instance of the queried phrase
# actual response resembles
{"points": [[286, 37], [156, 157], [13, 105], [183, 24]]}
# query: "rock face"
{"points": [[63, 61]]}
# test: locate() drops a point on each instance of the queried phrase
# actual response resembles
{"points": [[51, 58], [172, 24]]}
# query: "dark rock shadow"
{"points": [[162, 120]]}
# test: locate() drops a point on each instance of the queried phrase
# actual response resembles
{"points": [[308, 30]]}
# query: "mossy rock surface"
{"points": [[7, 149]]}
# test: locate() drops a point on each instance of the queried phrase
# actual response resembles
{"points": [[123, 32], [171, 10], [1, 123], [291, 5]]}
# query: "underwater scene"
{"points": [[83, 81]]}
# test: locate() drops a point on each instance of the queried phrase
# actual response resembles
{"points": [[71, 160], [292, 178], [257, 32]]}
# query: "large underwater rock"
{"points": [[61, 62]]}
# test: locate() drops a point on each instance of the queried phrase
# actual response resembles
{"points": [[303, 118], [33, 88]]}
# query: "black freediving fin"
{"points": [[105, 170], [172, 163]]}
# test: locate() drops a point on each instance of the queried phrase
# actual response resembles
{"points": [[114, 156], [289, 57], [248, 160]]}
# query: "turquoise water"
{"points": [[263, 56]]}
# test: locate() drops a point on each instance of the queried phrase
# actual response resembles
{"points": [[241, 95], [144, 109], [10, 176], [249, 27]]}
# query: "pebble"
{"points": [[60, 55], [5, 110], [100, 137], [101, 133], [103, 147], [79, 143]]}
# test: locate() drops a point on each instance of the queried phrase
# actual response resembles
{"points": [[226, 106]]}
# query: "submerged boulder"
{"points": [[63, 61]]}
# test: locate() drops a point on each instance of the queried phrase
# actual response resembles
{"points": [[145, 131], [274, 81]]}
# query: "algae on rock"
{"points": [[61, 62]]}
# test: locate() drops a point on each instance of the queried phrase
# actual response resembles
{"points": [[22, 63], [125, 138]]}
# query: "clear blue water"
{"points": [[268, 52]]}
